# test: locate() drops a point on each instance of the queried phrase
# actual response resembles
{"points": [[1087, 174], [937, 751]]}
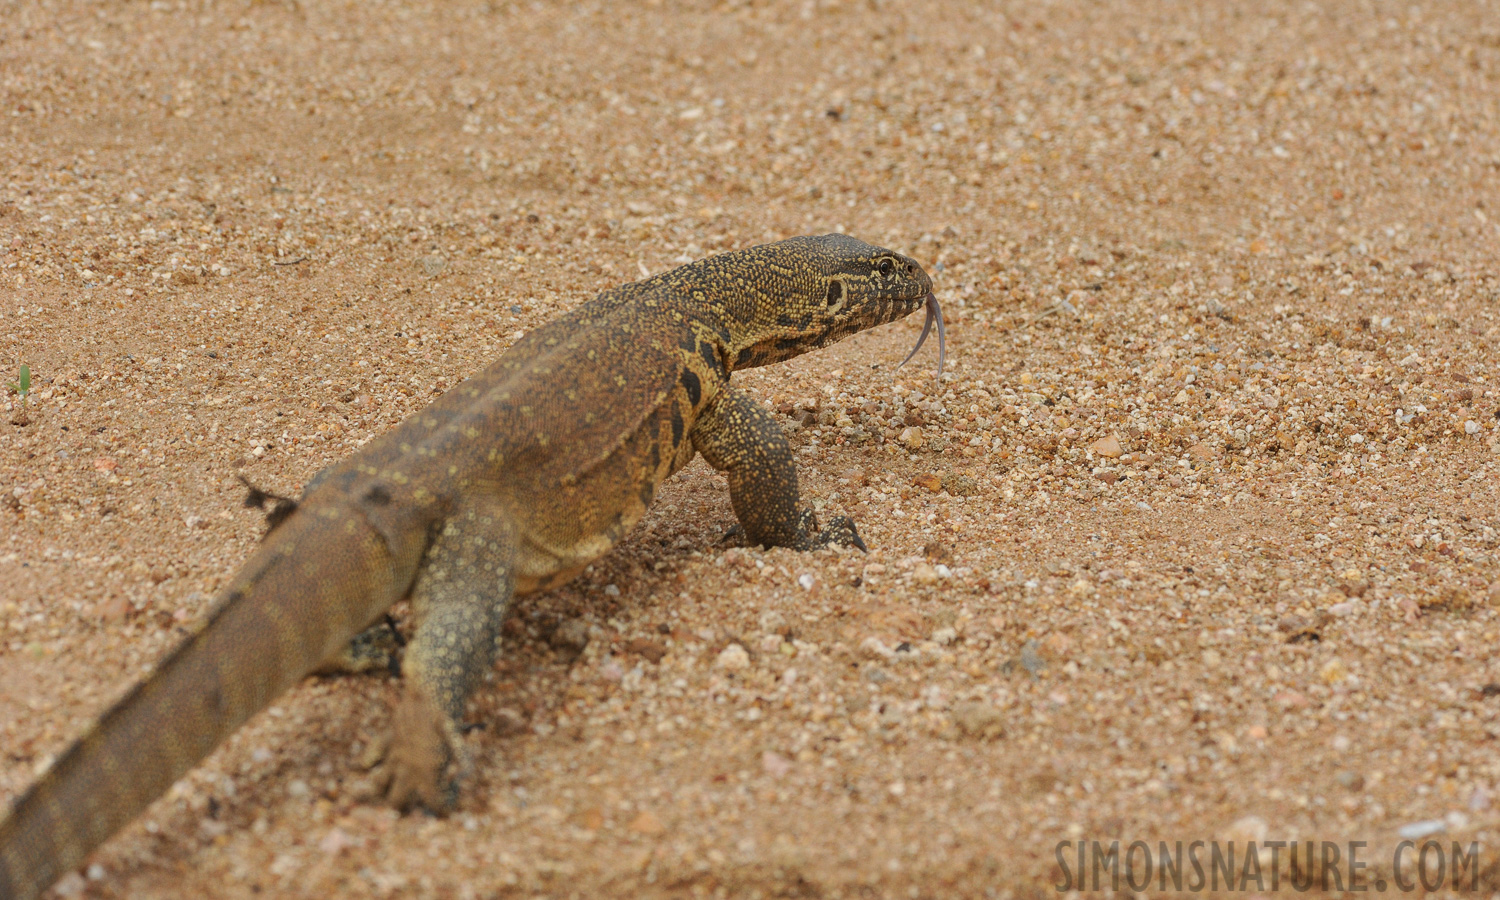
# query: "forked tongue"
{"points": [[934, 314]]}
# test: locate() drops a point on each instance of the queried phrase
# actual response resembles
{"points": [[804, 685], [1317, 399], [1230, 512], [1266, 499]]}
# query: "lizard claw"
{"points": [[840, 531], [423, 747]]}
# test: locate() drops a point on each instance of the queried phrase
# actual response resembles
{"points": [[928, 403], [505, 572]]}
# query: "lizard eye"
{"points": [[835, 298], [886, 266]]}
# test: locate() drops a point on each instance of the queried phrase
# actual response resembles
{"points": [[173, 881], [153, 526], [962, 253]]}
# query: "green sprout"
{"points": [[22, 387]]}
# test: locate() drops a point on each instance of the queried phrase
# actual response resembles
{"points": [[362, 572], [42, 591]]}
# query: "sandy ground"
{"points": [[1196, 539]]}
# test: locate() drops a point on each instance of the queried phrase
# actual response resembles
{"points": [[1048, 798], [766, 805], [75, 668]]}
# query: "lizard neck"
{"points": [[735, 296]]}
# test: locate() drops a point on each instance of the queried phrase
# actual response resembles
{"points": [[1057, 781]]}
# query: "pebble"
{"points": [[432, 265], [733, 658], [975, 719], [911, 437], [927, 480], [925, 573], [646, 823], [1031, 659], [572, 636], [1247, 828], [1107, 447], [647, 649], [1202, 452], [1415, 831], [874, 648], [960, 485], [775, 764], [945, 635]]}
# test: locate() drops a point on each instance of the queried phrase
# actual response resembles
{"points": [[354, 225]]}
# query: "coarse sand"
{"points": [[1198, 538]]}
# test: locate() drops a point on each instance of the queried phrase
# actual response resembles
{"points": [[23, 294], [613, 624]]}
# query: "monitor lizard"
{"points": [[511, 482]]}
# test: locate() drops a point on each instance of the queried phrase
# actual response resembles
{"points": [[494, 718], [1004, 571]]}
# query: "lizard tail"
{"points": [[319, 579]]}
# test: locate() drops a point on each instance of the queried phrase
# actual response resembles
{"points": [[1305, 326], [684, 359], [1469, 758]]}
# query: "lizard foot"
{"points": [[839, 531], [376, 649], [415, 770]]}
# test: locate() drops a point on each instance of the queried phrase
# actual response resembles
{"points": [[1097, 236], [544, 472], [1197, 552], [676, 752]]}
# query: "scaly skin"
{"points": [[511, 482]]}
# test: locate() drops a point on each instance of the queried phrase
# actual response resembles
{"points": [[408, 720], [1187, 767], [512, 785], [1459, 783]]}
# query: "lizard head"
{"points": [[809, 292]]}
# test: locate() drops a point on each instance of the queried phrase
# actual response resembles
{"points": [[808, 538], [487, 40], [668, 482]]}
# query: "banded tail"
{"points": [[321, 577]]}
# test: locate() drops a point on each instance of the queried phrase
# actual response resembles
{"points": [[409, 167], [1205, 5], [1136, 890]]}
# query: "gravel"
{"points": [[1213, 469]]}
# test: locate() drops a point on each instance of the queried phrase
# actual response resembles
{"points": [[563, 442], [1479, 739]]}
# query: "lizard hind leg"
{"points": [[460, 600]]}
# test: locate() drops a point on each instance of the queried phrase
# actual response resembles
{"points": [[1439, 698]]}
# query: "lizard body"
{"points": [[511, 482]]}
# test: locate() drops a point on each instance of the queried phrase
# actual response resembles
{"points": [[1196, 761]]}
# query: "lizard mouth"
{"points": [[934, 314]]}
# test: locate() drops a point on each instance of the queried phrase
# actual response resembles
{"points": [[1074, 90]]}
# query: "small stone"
{"points": [[1479, 800], [960, 485], [1031, 660], [1471, 427], [775, 764], [432, 265], [1107, 447], [647, 823], [874, 648], [733, 658], [105, 464], [70, 885], [1108, 477], [928, 481], [113, 609], [857, 476], [979, 720], [336, 841], [184, 276], [1415, 831], [591, 819], [806, 582], [647, 648], [1494, 594], [1246, 829], [937, 551], [1351, 780], [911, 436], [506, 723], [571, 636], [1202, 453], [945, 636], [924, 574]]}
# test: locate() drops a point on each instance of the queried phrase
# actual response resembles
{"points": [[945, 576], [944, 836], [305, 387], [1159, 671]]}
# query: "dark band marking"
{"points": [[711, 357], [692, 385], [676, 428]]}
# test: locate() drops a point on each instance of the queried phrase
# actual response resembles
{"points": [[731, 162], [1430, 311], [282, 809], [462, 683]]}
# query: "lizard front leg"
{"points": [[459, 600], [740, 438]]}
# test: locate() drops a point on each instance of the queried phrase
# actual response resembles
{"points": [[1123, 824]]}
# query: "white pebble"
{"points": [[733, 658], [1418, 830]]}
